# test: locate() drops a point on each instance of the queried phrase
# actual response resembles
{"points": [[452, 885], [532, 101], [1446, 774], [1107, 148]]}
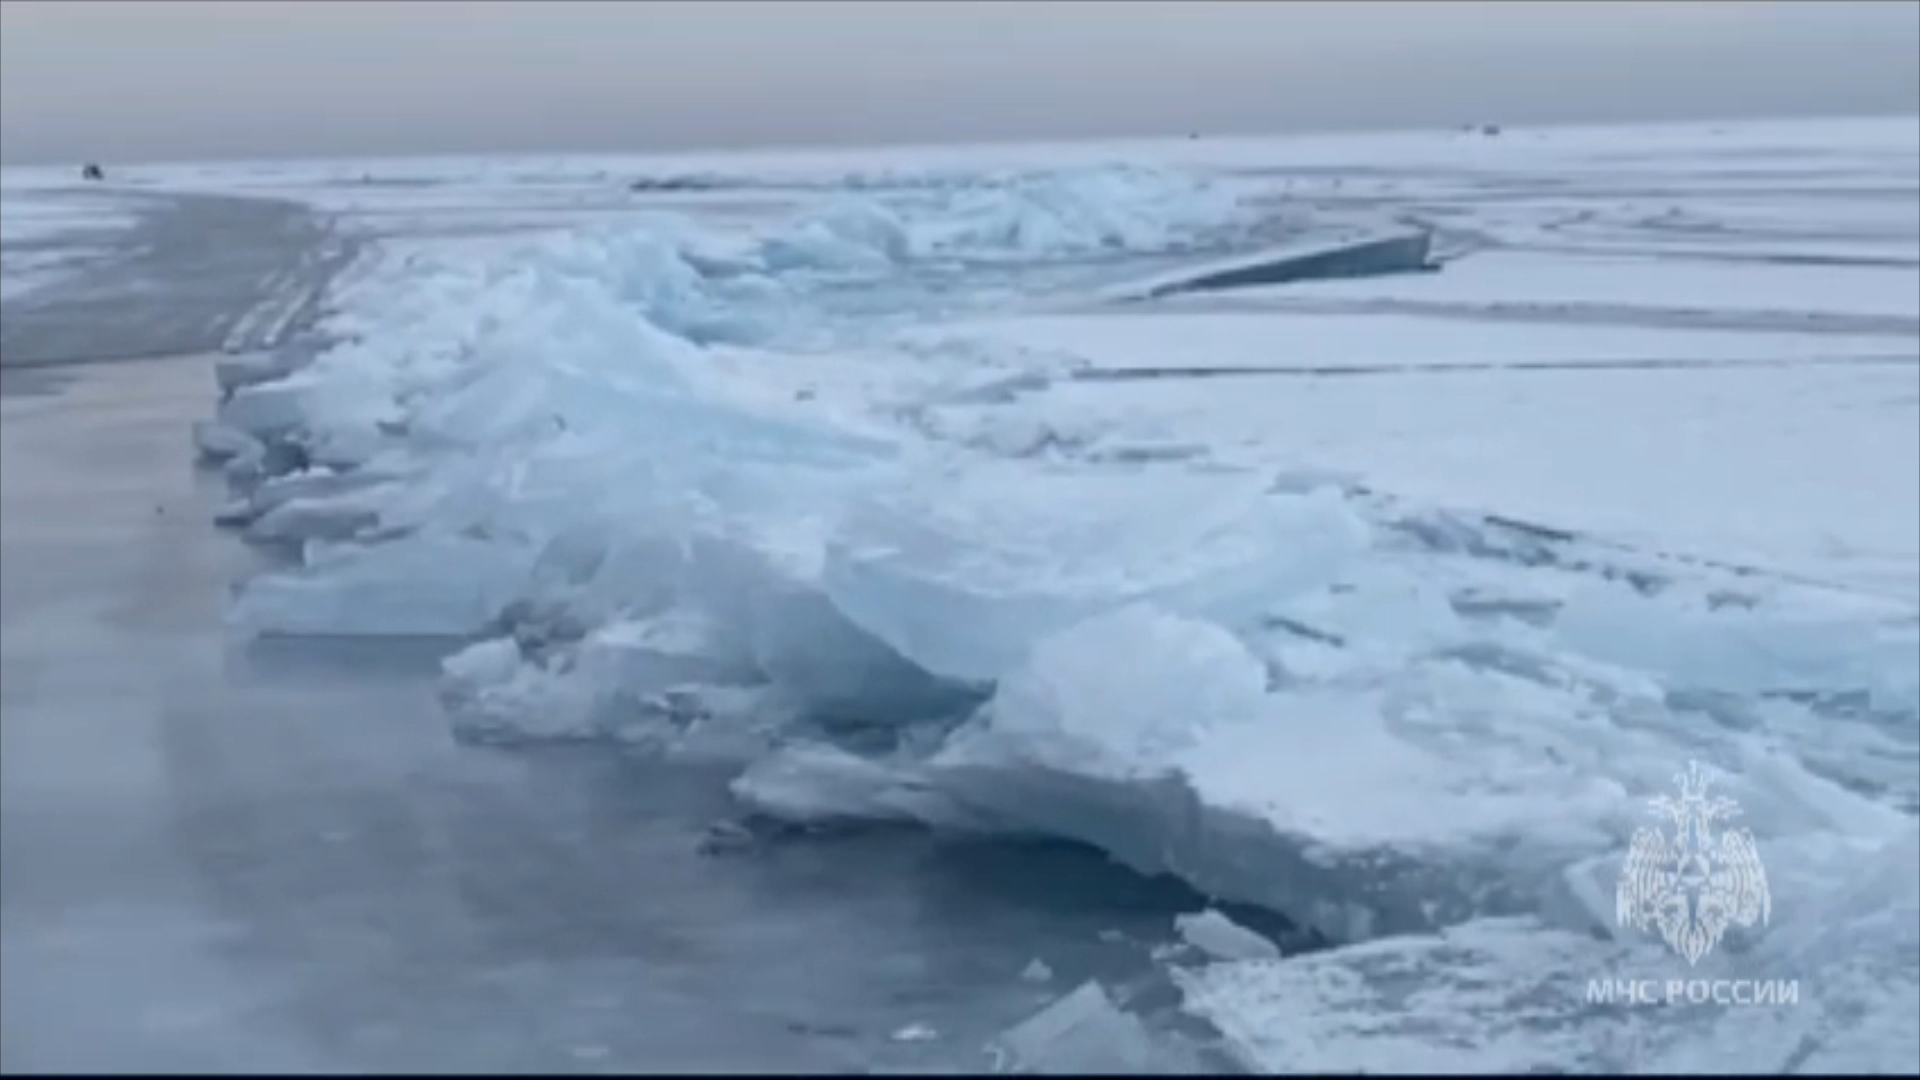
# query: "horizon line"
{"points": [[854, 147]]}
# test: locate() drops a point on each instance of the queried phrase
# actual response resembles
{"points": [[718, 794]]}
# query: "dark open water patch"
{"points": [[546, 895]]}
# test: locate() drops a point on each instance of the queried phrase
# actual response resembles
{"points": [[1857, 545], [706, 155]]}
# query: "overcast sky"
{"points": [[179, 79]]}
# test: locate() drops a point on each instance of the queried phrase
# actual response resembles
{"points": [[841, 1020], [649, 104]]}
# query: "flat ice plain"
{"points": [[1383, 604]]}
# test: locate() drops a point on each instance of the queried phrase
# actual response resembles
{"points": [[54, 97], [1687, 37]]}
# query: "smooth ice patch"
{"points": [[964, 579]]}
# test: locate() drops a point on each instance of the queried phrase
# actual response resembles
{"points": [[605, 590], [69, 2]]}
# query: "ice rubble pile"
{"points": [[1018, 217], [1266, 685], [477, 410], [1078, 212]]}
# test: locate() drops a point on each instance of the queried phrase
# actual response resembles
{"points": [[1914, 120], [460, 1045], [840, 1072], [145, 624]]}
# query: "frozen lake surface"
{"points": [[773, 595]]}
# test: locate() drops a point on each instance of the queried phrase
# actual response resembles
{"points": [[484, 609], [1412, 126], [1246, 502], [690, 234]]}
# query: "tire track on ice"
{"points": [[197, 274]]}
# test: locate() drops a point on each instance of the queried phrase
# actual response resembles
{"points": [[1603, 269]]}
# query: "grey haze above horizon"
{"points": [[192, 79]]}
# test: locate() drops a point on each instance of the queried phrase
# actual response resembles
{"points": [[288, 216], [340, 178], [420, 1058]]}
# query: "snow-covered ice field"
{"points": [[1383, 603], [45, 236]]}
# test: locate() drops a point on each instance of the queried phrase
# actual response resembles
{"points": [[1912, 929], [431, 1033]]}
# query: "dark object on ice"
{"points": [[1490, 129], [671, 183], [1399, 253], [90, 171]]}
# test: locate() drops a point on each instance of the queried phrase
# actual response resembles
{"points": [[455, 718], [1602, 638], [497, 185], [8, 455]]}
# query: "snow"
{"points": [[23, 273], [1749, 463], [47, 229], [27, 215], [1321, 343], [45, 234], [1382, 604]]}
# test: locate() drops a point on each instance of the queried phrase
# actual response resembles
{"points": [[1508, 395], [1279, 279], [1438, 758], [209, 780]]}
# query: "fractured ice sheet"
{"points": [[964, 577], [1085, 1032], [399, 588], [1222, 938], [1868, 650], [818, 784], [609, 680], [1394, 801], [1513, 995], [660, 614]]}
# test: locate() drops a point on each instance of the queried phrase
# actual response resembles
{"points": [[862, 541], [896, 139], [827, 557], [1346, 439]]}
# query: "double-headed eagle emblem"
{"points": [[1693, 883]]}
